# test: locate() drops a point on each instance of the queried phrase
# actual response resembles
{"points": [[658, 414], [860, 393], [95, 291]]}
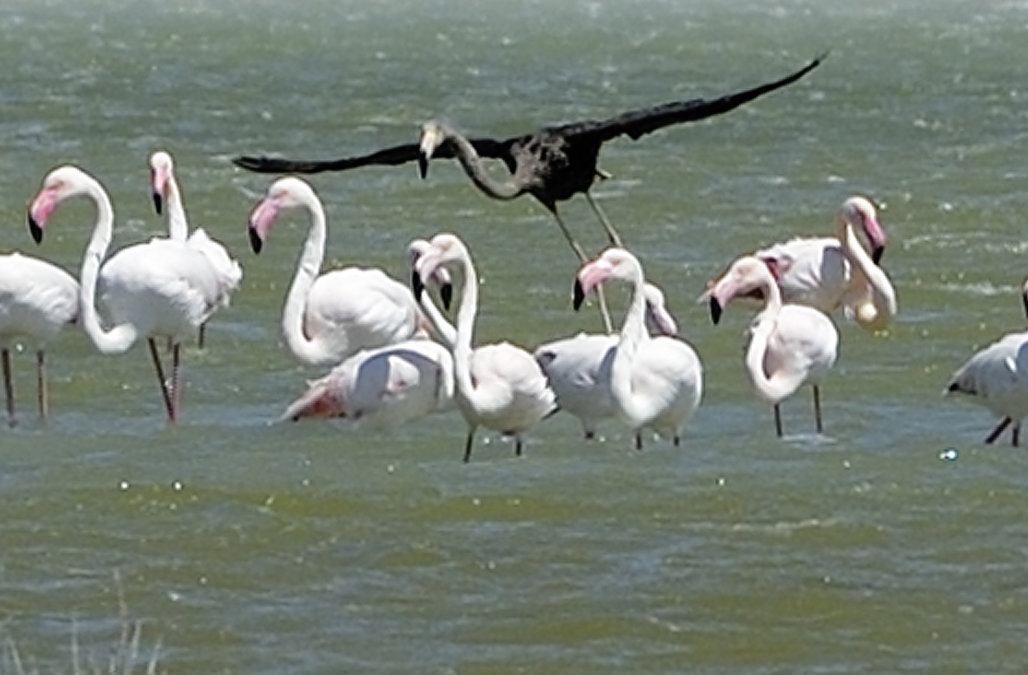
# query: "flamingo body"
{"points": [[788, 345], [37, 299], [655, 383], [498, 386], [382, 387]]}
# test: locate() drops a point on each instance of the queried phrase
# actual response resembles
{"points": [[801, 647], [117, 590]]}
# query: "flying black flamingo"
{"points": [[551, 164]]}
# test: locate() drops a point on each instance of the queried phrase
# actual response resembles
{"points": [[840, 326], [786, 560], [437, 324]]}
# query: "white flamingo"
{"points": [[166, 190], [578, 367], [997, 378], [388, 385], [37, 299], [380, 387], [831, 272], [657, 382], [329, 317], [498, 386], [160, 288], [789, 344]]}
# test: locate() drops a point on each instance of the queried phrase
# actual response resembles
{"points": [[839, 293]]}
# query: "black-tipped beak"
{"points": [[876, 254], [1024, 300], [418, 286], [577, 295], [255, 240], [423, 165], [35, 230], [715, 310], [158, 202], [446, 295]]}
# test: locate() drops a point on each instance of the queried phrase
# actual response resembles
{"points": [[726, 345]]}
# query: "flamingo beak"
{"points": [[715, 310], [578, 295], [39, 211], [157, 202], [876, 254], [446, 295], [263, 216], [1024, 300], [35, 230], [256, 243], [418, 286]]}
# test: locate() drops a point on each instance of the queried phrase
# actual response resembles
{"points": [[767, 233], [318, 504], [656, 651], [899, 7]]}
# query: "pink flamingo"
{"points": [[498, 386], [160, 288], [789, 345], [656, 382]]}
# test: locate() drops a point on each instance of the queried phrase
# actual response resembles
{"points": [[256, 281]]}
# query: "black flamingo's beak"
{"points": [[577, 296], [255, 240], [418, 286], [446, 294], [715, 310], [35, 230], [157, 202], [876, 254]]}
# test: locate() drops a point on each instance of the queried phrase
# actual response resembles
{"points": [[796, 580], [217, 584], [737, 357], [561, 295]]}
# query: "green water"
{"points": [[311, 548]]}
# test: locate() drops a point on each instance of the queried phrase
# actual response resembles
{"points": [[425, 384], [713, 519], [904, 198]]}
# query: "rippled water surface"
{"points": [[896, 542]]}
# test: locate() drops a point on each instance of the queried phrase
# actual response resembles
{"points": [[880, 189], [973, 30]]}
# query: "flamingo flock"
{"points": [[393, 356]]}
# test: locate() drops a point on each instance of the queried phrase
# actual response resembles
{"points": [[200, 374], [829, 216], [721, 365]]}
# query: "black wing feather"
{"points": [[636, 123], [399, 154]]}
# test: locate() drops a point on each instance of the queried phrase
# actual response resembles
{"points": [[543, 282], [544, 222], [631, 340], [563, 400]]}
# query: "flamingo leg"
{"points": [[467, 445], [42, 391], [612, 235], [517, 446], [201, 335], [582, 259], [176, 395], [778, 421], [1015, 435], [1003, 424], [168, 404], [638, 440], [5, 357], [817, 409]]}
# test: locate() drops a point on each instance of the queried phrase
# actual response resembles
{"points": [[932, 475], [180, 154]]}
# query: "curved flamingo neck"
{"points": [[466, 314], [876, 311], [178, 224], [119, 338], [443, 328], [472, 163], [633, 336], [310, 351], [775, 387]]}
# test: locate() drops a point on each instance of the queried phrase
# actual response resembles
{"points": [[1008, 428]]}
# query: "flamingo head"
{"points": [[859, 213], [658, 318], [614, 263], [441, 276], [746, 277], [60, 184], [433, 134], [444, 249], [285, 193], [161, 167]]}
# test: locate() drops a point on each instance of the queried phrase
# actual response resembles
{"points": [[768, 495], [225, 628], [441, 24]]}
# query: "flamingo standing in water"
{"points": [[578, 367], [37, 299], [997, 378], [329, 317], [789, 345], [657, 382], [389, 385], [160, 288], [498, 386], [166, 190], [831, 272]]}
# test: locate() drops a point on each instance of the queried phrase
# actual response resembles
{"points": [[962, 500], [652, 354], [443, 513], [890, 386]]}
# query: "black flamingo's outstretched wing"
{"points": [[636, 123], [399, 154]]}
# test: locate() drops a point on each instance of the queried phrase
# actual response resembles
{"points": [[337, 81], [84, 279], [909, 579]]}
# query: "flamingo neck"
{"points": [[771, 388], [178, 223], [466, 313], [472, 163], [307, 350], [119, 338], [633, 337], [443, 328], [875, 302]]}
